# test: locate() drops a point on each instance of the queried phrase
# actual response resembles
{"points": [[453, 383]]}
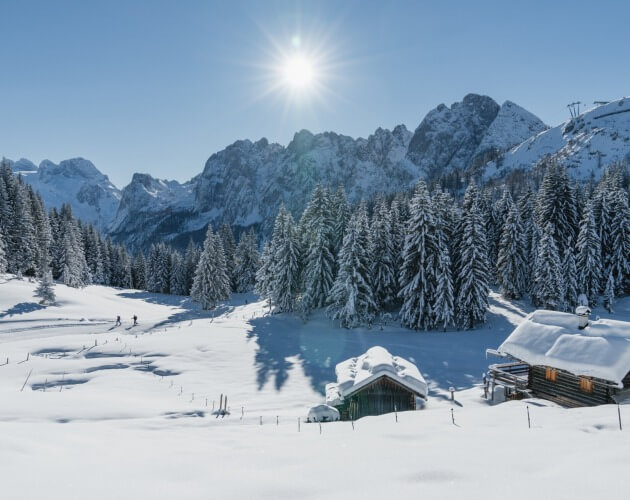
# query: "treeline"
{"points": [[35, 243], [435, 259]]}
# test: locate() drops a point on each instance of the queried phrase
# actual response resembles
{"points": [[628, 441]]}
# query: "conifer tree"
{"points": [[417, 276], [211, 283], [472, 268], [286, 264], [570, 277], [264, 275], [138, 272], [588, 260], [178, 275], [229, 247], [383, 273], [511, 262], [609, 292], [443, 306], [45, 290], [351, 299], [191, 260], [548, 273], [247, 262]]}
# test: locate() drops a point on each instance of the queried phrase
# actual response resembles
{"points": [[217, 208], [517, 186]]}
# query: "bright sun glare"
{"points": [[298, 72]]}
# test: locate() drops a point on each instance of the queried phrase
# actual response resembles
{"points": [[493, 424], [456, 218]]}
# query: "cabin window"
{"points": [[586, 385], [551, 374]]}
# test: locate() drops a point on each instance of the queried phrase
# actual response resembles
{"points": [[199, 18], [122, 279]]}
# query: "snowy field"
{"points": [[90, 410]]}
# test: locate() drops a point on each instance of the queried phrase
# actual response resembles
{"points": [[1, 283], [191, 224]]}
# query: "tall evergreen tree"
{"points": [[472, 267], [285, 286], [45, 290], [351, 299], [138, 272], [247, 262], [588, 259], [384, 281], [548, 274], [212, 283], [417, 276], [229, 247], [511, 264]]}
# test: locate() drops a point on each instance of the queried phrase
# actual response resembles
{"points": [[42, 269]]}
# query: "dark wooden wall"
{"points": [[380, 397], [566, 389]]}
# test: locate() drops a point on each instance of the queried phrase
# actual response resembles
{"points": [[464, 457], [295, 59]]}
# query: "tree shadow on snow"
{"points": [[22, 308], [446, 359]]}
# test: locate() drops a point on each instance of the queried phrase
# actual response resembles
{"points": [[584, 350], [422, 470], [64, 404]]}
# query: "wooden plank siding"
{"points": [[383, 395], [566, 388]]}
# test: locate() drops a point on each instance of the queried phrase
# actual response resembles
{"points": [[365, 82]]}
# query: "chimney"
{"points": [[582, 312]]}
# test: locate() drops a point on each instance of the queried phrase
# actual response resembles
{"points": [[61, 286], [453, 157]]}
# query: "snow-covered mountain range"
{"points": [[76, 181], [245, 183]]}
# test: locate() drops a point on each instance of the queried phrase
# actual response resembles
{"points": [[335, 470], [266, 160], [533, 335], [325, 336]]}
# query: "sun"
{"points": [[298, 72]]}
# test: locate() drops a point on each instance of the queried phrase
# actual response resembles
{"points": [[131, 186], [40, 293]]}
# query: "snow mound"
{"points": [[355, 373], [550, 338], [323, 413]]}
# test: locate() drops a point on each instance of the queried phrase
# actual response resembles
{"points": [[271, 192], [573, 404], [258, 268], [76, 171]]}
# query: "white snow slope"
{"points": [[94, 199], [585, 145], [120, 412]]}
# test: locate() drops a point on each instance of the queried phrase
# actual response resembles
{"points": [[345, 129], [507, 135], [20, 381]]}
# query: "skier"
{"points": [[118, 322], [135, 320]]}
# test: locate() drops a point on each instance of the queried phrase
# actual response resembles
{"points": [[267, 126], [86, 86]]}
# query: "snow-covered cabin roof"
{"points": [[550, 338], [355, 373]]}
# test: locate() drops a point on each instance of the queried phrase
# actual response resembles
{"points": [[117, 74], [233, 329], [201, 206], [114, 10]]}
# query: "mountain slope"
{"points": [[585, 145], [245, 183], [76, 181]]}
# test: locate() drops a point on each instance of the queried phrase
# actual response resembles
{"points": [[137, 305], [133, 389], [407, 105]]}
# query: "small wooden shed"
{"points": [[375, 383], [565, 358]]}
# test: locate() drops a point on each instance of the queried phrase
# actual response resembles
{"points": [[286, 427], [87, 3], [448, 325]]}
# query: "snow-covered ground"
{"points": [[121, 412]]}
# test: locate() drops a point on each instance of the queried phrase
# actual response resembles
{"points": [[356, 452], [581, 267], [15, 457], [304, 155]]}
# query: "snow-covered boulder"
{"points": [[323, 413], [355, 373]]}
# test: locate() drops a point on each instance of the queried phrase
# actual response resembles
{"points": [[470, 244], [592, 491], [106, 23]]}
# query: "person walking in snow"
{"points": [[118, 322], [135, 320]]}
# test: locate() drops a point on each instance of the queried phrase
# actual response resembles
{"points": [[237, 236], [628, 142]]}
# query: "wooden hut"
{"points": [[565, 358], [375, 383]]}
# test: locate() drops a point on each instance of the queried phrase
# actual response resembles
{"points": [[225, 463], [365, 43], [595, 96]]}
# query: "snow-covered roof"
{"points": [[323, 413], [550, 338], [355, 373]]}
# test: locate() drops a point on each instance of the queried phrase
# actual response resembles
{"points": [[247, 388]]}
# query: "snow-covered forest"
{"points": [[428, 257]]}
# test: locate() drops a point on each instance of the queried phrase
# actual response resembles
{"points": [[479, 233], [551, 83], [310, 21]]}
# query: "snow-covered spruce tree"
{"points": [[472, 268], [22, 242], [159, 269], [588, 259], [45, 290], [533, 263], [443, 306], [511, 263], [43, 233], [285, 285], [397, 228], [178, 275], [138, 272], [229, 247], [191, 260], [317, 228], [384, 281], [417, 276], [211, 283], [75, 272], [570, 277], [548, 273], [247, 262], [556, 203], [618, 259], [526, 214], [351, 299], [3, 255], [340, 214], [264, 275], [609, 293], [500, 212]]}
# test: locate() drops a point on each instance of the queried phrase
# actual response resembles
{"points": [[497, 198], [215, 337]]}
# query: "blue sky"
{"points": [[158, 86]]}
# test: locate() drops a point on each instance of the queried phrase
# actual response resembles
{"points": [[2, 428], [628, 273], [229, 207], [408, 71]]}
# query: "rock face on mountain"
{"points": [[77, 181], [585, 144], [469, 133], [244, 184]]}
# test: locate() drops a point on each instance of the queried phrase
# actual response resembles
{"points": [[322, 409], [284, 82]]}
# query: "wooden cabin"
{"points": [[565, 358], [375, 383]]}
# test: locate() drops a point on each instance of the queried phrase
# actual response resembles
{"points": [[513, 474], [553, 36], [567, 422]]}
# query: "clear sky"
{"points": [[158, 86]]}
